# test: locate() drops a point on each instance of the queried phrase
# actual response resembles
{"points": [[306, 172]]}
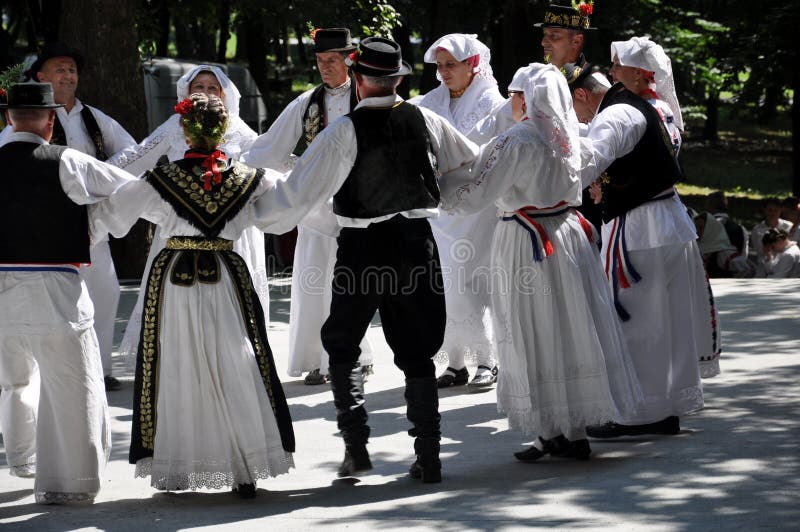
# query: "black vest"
{"points": [[315, 122], [650, 168], [60, 137], [39, 223], [394, 169]]}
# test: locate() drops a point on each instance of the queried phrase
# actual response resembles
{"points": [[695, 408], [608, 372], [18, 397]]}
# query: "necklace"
{"points": [[458, 93]]}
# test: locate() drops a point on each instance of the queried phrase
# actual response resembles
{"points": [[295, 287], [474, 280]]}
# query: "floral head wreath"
{"points": [[195, 127], [583, 7]]}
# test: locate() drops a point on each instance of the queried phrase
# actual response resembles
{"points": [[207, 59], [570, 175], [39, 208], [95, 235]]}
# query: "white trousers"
{"points": [[667, 316], [312, 274], [19, 400], [103, 286]]}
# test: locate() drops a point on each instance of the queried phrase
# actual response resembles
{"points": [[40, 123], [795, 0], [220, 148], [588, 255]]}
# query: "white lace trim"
{"points": [[214, 474], [709, 368], [556, 420], [57, 497]]}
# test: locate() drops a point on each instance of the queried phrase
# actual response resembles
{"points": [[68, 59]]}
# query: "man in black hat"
{"points": [[564, 32], [45, 311], [89, 130], [381, 163], [315, 250], [652, 259]]}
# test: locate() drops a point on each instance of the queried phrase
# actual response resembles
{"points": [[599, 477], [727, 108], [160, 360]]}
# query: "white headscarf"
{"points": [[231, 94], [520, 79], [481, 95], [641, 52], [714, 236], [549, 111], [463, 46]]}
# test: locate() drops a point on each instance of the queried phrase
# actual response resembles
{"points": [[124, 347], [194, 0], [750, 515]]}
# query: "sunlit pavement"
{"points": [[733, 466]]}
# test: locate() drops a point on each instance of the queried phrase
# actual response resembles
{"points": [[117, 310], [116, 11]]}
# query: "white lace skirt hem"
{"points": [[193, 475]]}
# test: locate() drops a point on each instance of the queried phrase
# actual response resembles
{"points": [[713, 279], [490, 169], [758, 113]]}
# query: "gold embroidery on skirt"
{"points": [[150, 346]]}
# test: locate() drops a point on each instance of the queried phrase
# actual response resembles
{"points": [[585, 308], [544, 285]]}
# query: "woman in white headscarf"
{"points": [[564, 360], [644, 68], [720, 257], [467, 95], [168, 140]]}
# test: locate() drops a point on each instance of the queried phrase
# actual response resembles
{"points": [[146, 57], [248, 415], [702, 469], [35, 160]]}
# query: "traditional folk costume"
{"points": [[46, 314], [379, 161], [209, 410], [652, 261], [315, 251], [168, 140], [89, 130], [464, 241], [561, 347], [784, 264], [644, 54]]}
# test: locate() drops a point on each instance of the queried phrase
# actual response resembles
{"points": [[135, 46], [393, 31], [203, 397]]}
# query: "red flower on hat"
{"points": [[584, 8], [3, 94], [353, 57], [313, 34], [184, 107]]}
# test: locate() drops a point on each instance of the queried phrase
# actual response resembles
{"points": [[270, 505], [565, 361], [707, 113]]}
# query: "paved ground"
{"points": [[733, 466]]}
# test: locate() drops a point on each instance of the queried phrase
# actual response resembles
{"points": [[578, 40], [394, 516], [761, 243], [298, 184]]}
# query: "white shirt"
{"points": [[77, 136], [613, 133], [785, 264], [761, 229], [333, 153], [274, 148]]}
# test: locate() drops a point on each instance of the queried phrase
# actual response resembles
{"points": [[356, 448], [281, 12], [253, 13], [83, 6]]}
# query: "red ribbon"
{"points": [[210, 164]]}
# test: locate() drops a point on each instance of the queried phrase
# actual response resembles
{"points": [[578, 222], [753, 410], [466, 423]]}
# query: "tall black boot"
{"points": [[422, 398], [347, 383]]}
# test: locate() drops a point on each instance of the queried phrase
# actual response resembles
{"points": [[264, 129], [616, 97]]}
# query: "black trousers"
{"points": [[393, 267]]}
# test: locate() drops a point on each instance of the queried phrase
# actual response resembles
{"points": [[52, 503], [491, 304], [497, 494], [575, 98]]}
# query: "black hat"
{"points": [[51, 50], [332, 40], [30, 95], [379, 58], [568, 17], [576, 74]]}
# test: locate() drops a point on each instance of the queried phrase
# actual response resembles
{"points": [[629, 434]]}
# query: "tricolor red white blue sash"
{"points": [[66, 268], [619, 269], [540, 241]]}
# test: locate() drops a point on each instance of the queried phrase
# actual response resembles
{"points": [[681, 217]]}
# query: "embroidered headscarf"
{"points": [[641, 52], [231, 94], [549, 110], [482, 95]]}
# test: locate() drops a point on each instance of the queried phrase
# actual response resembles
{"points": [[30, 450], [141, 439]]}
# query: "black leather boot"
{"points": [[422, 398], [347, 383]]}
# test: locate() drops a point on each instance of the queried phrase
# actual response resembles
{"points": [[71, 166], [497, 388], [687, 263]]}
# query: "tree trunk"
{"points": [[711, 126], [224, 32], [162, 41], [402, 36], [769, 110], [111, 80], [301, 47], [254, 34]]}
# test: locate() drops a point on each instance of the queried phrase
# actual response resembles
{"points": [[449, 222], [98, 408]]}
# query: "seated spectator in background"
{"points": [[717, 205], [783, 255], [772, 220], [720, 256], [790, 211]]}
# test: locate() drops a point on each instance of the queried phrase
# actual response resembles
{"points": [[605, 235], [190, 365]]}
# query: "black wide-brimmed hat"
{"points": [[379, 58], [575, 74], [55, 49], [30, 95], [332, 40], [568, 17]]}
